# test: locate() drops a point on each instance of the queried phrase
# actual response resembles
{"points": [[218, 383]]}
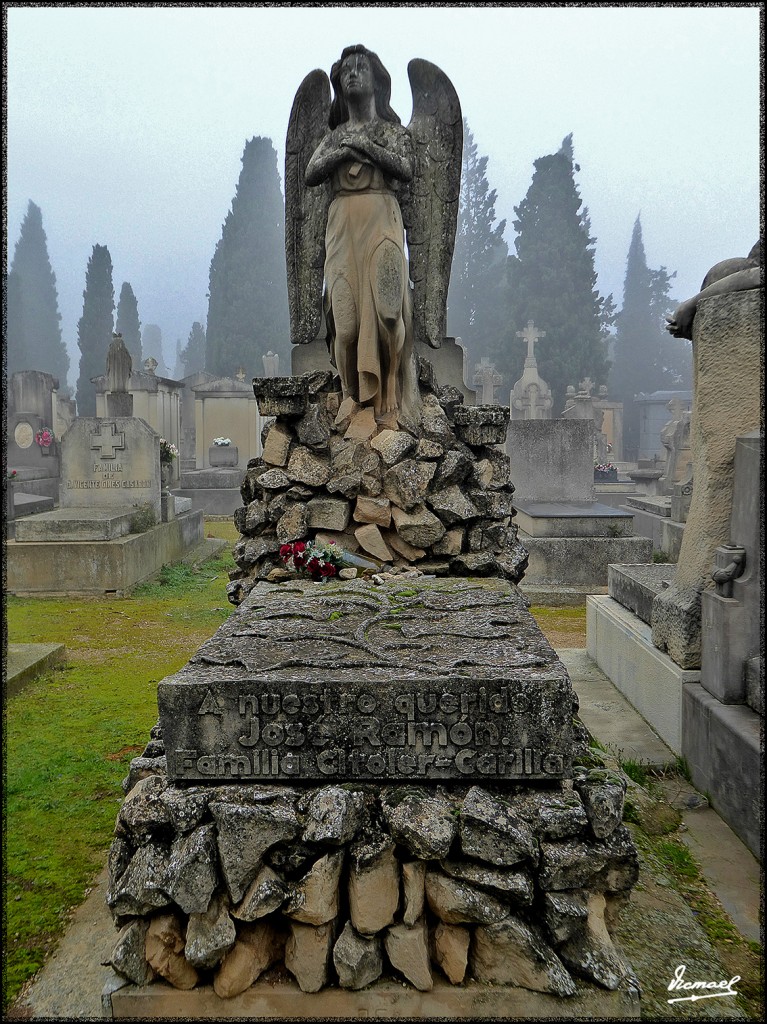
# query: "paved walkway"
{"points": [[70, 985]]}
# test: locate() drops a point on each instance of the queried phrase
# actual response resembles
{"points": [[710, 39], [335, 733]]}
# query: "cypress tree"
{"points": [[193, 356], [646, 357], [476, 299], [95, 326], [152, 345], [552, 281], [42, 347], [15, 349], [128, 323], [248, 296]]}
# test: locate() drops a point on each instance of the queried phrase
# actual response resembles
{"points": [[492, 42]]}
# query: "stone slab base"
{"points": [[215, 501], [554, 596], [76, 524], [621, 645], [28, 503], [721, 745], [564, 519], [27, 661], [634, 586], [579, 562], [664, 532], [98, 567], [658, 505], [284, 1000]]}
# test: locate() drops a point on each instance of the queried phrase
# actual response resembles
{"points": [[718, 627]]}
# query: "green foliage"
{"points": [[646, 357], [33, 330], [152, 345], [193, 356], [552, 281], [660, 557], [636, 771], [477, 296], [128, 324], [683, 768], [71, 734], [94, 328], [248, 297]]}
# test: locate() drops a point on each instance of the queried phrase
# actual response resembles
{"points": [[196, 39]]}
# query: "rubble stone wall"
{"points": [[342, 884]]}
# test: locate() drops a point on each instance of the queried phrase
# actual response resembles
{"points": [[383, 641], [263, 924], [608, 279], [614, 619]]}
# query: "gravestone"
{"points": [[693, 667], [489, 380], [110, 475], [365, 777], [531, 395], [571, 537], [119, 401]]}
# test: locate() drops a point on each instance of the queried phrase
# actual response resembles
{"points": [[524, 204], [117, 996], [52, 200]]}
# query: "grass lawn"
{"points": [[70, 735]]}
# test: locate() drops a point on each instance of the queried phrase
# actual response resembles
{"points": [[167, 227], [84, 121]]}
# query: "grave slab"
{"points": [[76, 524], [634, 586], [621, 645], [317, 681], [572, 519]]}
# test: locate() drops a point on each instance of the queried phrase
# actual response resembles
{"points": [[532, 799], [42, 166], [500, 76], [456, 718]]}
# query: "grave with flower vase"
{"points": [[368, 794], [107, 533], [32, 430]]}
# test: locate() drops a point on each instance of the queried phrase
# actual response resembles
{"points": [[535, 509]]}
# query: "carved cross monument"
{"points": [[531, 334], [488, 377], [107, 444]]}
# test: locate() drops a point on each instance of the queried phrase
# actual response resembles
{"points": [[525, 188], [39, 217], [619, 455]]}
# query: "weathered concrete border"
{"points": [[284, 1000]]}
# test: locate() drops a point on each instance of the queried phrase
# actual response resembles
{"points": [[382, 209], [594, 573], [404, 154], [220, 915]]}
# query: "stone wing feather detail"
{"points": [[430, 202], [306, 208]]}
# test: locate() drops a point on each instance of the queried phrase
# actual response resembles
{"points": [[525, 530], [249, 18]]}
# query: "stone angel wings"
{"points": [[428, 201]]}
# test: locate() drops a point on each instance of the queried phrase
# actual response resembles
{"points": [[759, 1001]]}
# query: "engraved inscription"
{"points": [[504, 730]]}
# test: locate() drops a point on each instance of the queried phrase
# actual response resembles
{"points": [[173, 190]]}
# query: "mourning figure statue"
{"points": [[371, 209], [733, 275]]}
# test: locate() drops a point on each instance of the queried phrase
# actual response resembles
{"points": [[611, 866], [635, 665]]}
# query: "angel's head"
{"points": [[381, 81]]}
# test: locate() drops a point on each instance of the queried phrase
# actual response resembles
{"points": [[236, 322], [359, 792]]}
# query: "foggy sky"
{"points": [[126, 126]]}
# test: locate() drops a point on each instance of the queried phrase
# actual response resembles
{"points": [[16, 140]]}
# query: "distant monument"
{"points": [[531, 395], [119, 365], [488, 378]]}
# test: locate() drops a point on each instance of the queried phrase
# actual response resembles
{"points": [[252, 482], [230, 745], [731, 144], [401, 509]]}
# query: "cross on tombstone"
{"points": [[486, 374], [531, 334], [241, 373], [107, 444], [586, 386]]}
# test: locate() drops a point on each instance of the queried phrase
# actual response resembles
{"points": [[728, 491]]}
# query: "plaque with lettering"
{"points": [[353, 682]]}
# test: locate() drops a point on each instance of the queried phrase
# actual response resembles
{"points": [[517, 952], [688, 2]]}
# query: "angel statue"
{"points": [[371, 209]]}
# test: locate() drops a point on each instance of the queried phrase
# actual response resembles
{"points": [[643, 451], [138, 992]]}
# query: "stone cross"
{"points": [[150, 364], [240, 373], [486, 374], [107, 444], [531, 334]]}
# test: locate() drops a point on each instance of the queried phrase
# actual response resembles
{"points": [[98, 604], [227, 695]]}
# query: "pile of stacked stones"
{"points": [[344, 884], [434, 493]]}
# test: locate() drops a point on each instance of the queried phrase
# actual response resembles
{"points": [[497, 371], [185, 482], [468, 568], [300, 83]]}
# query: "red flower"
{"points": [[328, 570], [298, 547], [313, 564], [298, 559], [286, 551]]}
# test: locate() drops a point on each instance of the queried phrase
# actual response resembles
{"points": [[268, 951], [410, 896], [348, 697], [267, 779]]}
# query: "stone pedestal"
{"points": [[727, 403], [221, 456]]}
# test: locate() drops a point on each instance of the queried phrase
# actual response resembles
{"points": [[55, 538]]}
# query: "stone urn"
{"points": [[220, 455]]}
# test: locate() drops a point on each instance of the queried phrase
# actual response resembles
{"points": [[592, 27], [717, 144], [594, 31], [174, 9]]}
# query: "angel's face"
{"points": [[356, 76]]}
